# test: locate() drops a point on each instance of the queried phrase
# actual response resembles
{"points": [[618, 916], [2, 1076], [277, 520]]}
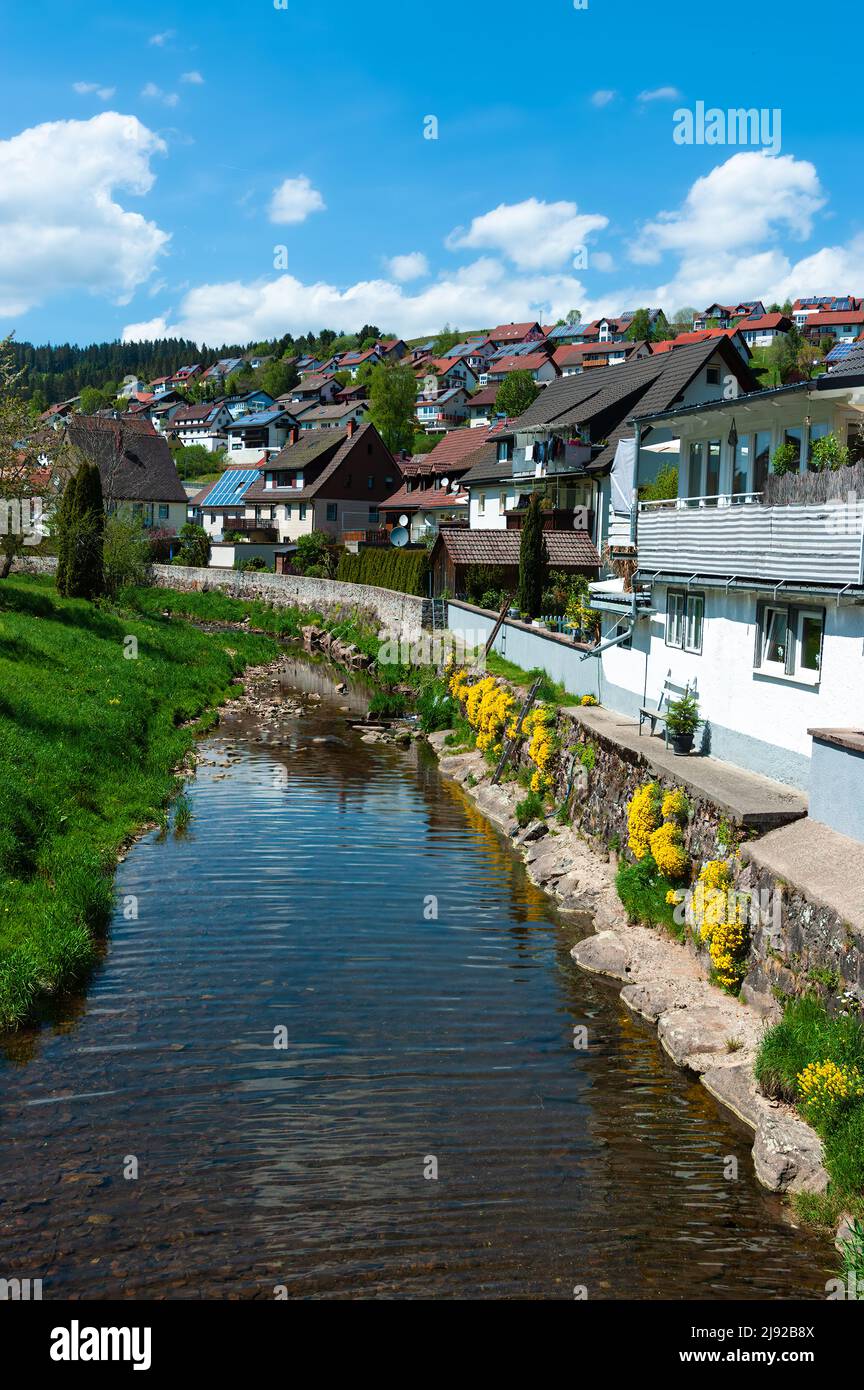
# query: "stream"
{"points": [[329, 1051]]}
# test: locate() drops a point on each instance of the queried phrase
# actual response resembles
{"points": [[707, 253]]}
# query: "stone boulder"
{"points": [[604, 954], [787, 1154]]}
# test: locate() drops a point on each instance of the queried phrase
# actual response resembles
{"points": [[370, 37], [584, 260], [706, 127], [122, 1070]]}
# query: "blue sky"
{"points": [[141, 159]]}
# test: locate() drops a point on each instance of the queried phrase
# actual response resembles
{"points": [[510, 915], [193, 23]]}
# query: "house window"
{"points": [[794, 436], [761, 459], [331, 511], [370, 481], [741, 474], [163, 511], [302, 510], [685, 617], [674, 618], [481, 503], [789, 642], [373, 516], [502, 503], [712, 469], [694, 471], [712, 376]]}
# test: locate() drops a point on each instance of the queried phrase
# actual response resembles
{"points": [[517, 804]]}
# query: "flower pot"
{"points": [[682, 743]]}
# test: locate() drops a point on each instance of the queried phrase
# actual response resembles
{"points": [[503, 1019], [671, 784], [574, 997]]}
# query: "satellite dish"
{"points": [[403, 520], [445, 483], [399, 536]]}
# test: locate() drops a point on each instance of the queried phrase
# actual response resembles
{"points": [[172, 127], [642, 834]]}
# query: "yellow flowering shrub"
{"points": [[720, 917], [538, 727], [668, 851], [676, 806], [825, 1089], [643, 818], [588, 700]]}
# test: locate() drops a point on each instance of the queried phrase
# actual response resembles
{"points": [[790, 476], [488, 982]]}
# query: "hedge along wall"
{"points": [[403, 570]]}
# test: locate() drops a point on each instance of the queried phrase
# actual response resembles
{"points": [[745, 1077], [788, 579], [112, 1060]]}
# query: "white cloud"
{"points": [[88, 88], [601, 260], [661, 94], [155, 93], [412, 266], [478, 294], [60, 227], [603, 97], [748, 200], [534, 235], [160, 40], [194, 77], [294, 200]]}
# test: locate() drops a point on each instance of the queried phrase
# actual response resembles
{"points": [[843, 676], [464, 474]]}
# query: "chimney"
{"points": [[292, 437], [350, 426]]}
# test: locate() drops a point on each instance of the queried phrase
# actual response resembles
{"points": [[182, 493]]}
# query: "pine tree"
{"points": [[66, 512], [533, 560], [80, 570]]}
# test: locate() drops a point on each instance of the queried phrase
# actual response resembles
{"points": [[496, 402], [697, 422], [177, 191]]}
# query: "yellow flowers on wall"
{"points": [[668, 851], [676, 806], [492, 711], [643, 818], [825, 1088], [719, 915]]}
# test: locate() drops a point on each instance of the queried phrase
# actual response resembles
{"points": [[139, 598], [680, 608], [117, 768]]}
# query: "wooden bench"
{"points": [[670, 692]]}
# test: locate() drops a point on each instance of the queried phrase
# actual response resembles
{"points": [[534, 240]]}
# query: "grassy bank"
{"points": [[90, 744], [815, 1060]]}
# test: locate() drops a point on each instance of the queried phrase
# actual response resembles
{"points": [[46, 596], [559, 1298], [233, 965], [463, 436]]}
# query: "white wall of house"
{"points": [[488, 504], [756, 718]]}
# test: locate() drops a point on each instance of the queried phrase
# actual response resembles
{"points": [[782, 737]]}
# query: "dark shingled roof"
{"points": [[311, 446], [567, 549], [135, 466], [652, 384]]}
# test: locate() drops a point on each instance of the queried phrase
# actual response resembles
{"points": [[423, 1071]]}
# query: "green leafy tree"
{"points": [[194, 546], [23, 446], [640, 326], [533, 560], [279, 377], [660, 331], [126, 551], [392, 405], [517, 391], [574, 317], [447, 338], [93, 400]]}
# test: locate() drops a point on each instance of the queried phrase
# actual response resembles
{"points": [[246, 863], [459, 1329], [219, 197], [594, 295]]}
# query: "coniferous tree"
{"points": [[533, 560]]}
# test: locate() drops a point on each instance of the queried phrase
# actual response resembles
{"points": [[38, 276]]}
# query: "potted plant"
{"points": [[682, 721]]}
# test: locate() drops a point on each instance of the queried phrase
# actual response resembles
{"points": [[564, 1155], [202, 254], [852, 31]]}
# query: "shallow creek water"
{"points": [[299, 900]]}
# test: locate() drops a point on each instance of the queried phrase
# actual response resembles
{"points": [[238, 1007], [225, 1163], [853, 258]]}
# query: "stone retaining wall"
{"points": [[393, 610]]}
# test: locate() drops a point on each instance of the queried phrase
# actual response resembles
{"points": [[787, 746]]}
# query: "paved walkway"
{"points": [[826, 867], [746, 797]]}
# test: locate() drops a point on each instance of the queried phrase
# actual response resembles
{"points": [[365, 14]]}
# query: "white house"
{"points": [[749, 585], [203, 424], [258, 434]]}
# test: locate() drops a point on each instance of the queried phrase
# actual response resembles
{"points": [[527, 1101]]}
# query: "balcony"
{"points": [[740, 537]]}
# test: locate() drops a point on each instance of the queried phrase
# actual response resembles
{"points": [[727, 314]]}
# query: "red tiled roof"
{"points": [[765, 321], [511, 332], [835, 317], [519, 362], [454, 450], [424, 499]]}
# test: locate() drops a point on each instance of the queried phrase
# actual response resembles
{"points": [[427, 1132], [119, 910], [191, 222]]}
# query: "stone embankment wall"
{"points": [[796, 944], [393, 610]]}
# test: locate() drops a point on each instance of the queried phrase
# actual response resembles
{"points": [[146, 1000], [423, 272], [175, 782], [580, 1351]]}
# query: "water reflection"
{"points": [[296, 908]]}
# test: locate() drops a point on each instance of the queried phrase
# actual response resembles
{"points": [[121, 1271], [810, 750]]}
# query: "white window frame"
{"points": [[695, 603], [675, 611], [802, 672], [774, 668]]}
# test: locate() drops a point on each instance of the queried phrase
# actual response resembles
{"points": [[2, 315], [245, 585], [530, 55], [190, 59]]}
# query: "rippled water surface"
{"points": [[297, 909]]}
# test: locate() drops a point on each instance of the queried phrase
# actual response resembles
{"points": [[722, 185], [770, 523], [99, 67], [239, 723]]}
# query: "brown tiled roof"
{"points": [[487, 396], [311, 446], [457, 448], [312, 382], [567, 549], [340, 411], [511, 332], [424, 499], [136, 466], [519, 362]]}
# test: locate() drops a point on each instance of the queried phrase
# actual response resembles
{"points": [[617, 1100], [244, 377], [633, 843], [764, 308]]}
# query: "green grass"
{"points": [[808, 1033], [90, 743], [550, 691], [642, 891]]}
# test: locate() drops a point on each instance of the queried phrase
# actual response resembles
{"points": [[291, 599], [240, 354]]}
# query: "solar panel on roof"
{"points": [[231, 487]]}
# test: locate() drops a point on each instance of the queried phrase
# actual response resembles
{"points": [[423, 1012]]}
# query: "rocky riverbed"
{"points": [[702, 1029]]}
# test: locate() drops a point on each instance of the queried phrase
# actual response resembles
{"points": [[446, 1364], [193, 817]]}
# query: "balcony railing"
{"points": [[738, 536]]}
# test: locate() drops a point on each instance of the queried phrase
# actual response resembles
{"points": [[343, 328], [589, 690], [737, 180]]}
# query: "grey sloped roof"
{"points": [[652, 383], [486, 468], [135, 466]]}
